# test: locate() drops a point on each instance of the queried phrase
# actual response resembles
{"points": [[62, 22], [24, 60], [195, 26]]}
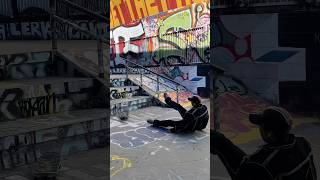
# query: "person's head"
{"points": [[274, 123], [195, 101]]}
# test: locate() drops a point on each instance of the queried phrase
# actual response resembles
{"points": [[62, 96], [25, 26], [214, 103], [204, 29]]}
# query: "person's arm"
{"points": [[174, 105]]}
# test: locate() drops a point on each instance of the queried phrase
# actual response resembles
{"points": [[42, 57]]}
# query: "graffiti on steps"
{"points": [[37, 106], [123, 92], [33, 100], [25, 65], [24, 149], [118, 82]]}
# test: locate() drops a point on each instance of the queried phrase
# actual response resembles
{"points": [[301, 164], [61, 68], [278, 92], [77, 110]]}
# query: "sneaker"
{"points": [[150, 121]]}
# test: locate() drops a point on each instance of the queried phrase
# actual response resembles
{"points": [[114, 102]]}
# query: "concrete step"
{"points": [[24, 141], [118, 76], [130, 104], [39, 96], [24, 65]]}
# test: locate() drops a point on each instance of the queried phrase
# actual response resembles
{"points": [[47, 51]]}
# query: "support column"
{"points": [[54, 44]]}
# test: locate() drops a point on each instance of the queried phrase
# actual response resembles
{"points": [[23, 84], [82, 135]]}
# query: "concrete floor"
{"points": [[155, 154]]}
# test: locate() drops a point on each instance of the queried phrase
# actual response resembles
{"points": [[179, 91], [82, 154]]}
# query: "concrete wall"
{"points": [[250, 52], [186, 41]]}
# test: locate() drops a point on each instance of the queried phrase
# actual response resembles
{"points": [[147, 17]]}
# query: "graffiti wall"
{"points": [[24, 65], [40, 30], [185, 75], [28, 147], [250, 52], [22, 100], [179, 36], [124, 11]]}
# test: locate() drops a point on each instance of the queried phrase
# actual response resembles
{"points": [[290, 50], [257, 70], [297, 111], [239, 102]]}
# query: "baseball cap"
{"points": [[195, 99], [272, 118]]}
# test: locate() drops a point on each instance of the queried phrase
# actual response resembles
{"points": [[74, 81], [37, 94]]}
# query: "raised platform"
{"points": [[23, 141]]}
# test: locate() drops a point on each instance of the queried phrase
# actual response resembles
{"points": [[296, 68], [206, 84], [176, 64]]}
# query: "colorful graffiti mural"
{"points": [[185, 75], [179, 36], [126, 11]]}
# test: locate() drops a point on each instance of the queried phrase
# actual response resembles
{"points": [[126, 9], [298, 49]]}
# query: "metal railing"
{"points": [[54, 18], [145, 72], [250, 3]]}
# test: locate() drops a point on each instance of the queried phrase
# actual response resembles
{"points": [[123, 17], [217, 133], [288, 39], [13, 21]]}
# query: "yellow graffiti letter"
{"points": [[152, 8], [164, 5], [141, 9], [130, 9]]}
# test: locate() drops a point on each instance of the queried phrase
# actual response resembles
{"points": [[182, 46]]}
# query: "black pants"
{"points": [[170, 123], [230, 155]]}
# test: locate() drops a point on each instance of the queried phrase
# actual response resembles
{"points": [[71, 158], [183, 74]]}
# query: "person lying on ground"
{"points": [[194, 119], [283, 157]]}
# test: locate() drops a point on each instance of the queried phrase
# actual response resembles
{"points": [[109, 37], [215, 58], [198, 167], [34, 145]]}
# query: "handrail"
{"points": [[99, 37], [159, 82], [157, 74], [79, 28]]}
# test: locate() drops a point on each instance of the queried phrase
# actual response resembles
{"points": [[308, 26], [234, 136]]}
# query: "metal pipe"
{"points": [[141, 67], [158, 87], [178, 94], [141, 78], [100, 51]]}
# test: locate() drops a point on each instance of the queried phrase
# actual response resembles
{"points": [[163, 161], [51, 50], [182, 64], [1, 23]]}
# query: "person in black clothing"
{"points": [[283, 157], [195, 119]]}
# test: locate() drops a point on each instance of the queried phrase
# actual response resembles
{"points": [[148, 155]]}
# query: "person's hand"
{"points": [[165, 95]]}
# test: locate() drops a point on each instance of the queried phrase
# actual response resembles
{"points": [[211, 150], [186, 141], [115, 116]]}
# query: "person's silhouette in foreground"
{"points": [[195, 119], [283, 157]]}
